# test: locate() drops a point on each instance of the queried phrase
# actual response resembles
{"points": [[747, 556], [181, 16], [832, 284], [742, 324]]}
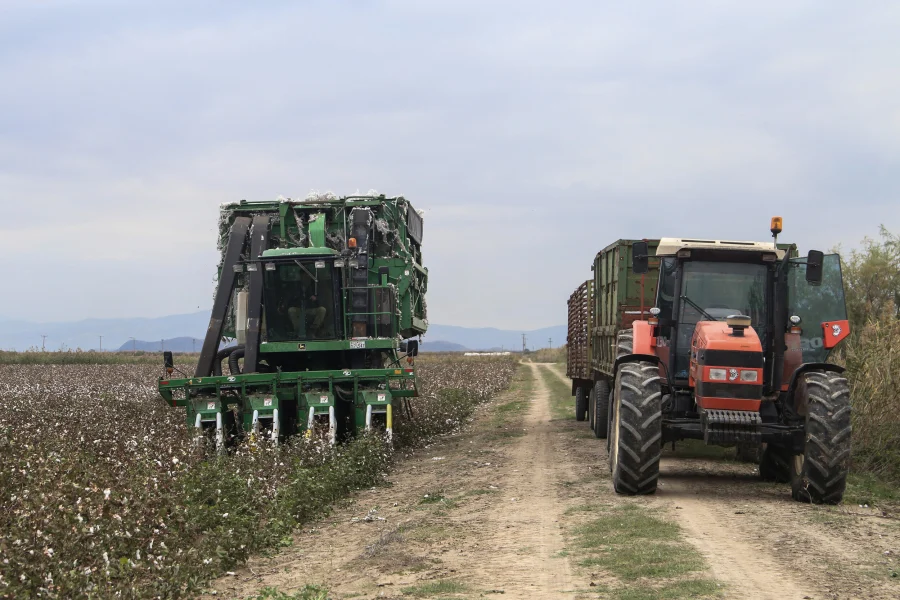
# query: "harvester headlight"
{"points": [[320, 264], [795, 320], [752, 376], [718, 374], [252, 267], [338, 264], [270, 266]]}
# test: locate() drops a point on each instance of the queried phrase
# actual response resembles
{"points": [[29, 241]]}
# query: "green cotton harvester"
{"points": [[318, 300]]}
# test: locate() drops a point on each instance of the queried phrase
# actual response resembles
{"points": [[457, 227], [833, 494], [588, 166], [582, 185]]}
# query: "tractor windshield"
{"points": [[299, 301], [712, 291]]}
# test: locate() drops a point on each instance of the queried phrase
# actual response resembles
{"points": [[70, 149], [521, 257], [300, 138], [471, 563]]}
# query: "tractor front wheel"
{"points": [[819, 475], [581, 405], [636, 429]]}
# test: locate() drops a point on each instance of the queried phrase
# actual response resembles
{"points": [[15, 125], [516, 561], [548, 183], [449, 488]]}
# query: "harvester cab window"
{"points": [[712, 291], [299, 297], [816, 304]]}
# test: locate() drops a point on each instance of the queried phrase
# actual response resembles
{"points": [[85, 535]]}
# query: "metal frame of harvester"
{"points": [[674, 357], [322, 296]]}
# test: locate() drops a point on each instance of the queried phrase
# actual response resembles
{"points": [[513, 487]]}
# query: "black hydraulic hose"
{"points": [[233, 365], [220, 356]]}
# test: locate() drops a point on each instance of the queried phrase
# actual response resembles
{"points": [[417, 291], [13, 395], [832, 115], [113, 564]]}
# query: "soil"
{"points": [[489, 510]]}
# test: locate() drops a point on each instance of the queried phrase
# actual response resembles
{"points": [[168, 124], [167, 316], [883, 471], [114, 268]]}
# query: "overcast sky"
{"points": [[532, 133]]}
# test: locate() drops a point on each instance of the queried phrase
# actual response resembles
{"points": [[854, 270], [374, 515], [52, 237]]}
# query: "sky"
{"points": [[533, 134]]}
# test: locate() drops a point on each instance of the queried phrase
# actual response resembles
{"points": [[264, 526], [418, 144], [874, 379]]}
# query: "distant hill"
{"points": [[179, 344], [489, 338], [181, 329], [441, 346]]}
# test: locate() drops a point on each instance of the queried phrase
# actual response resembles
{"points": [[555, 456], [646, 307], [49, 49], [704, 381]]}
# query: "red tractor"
{"points": [[735, 353]]}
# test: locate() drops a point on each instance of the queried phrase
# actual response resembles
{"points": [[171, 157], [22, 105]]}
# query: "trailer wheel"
{"points": [[601, 408], [819, 475], [775, 464], [581, 405], [590, 404], [636, 442]]}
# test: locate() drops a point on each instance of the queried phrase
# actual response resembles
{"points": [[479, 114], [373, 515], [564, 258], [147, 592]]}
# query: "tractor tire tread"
{"points": [[823, 476], [640, 429]]}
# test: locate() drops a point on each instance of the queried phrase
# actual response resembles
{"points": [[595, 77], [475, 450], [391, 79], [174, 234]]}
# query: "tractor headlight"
{"points": [[718, 374], [749, 375]]}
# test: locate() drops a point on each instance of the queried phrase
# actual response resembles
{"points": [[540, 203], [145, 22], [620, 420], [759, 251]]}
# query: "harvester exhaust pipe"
{"points": [[368, 417]]}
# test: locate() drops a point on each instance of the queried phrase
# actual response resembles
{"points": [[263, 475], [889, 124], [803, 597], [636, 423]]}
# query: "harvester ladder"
{"points": [[259, 241], [236, 243]]}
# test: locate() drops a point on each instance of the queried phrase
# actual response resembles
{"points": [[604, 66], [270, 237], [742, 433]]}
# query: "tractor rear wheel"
{"points": [[601, 408], [819, 475], [581, 405], [636, 432], [775, 464]]}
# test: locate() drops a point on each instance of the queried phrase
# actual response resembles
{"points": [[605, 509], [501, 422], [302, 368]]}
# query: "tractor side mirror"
{"points": [[640, 259], [814, 262], [412, 347]]}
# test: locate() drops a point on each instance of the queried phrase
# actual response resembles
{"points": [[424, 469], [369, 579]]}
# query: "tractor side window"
{"points": [[816, 304]]}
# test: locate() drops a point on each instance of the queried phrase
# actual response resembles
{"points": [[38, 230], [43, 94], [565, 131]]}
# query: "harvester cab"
{"points": [[735, 353], [315, 304]]}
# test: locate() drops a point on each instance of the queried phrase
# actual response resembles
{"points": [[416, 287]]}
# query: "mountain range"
{"points": [[184, 333]]}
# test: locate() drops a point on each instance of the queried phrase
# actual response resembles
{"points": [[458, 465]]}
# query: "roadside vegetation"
{"points": [[872, 357], [103, 495]]}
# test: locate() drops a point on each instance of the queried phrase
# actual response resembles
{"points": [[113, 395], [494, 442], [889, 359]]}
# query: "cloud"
{"points": [[533, 134]]}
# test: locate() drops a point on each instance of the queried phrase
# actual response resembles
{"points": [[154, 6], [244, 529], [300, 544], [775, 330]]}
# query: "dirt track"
{"points": [[492, 510]]}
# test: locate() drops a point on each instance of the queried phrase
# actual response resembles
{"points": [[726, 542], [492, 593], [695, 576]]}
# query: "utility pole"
{"points": [[101, 343], [43, 343], [550, 341], [193, 345], [162, 345], [133, 345], [523, 343]]}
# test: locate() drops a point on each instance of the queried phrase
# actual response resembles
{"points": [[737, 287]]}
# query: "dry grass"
{"points": [[872, 358]]}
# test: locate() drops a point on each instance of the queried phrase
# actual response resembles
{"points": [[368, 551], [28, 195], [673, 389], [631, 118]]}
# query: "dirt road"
{"points": [[520, 504]]}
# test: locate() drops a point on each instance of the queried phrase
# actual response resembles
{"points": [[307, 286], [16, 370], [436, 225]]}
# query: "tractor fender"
{"points": [[643, 338], [633, 358], [805, 368]]}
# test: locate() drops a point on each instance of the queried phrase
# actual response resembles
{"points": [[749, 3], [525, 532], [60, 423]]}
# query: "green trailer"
{"points": [[315, 306], [600, 307]]}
